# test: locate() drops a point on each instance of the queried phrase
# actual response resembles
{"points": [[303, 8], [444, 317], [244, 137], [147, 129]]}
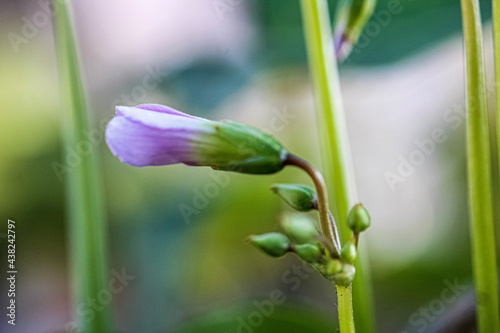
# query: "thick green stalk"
{"points": [[86, 219], [335, 148], [496, 42], [479, 174], [345, 308]]}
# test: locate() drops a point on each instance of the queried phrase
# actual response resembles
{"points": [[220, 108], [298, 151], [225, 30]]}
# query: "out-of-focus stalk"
{"points": [[336, 154], [479, 174], [496, 42], [86, 216]]}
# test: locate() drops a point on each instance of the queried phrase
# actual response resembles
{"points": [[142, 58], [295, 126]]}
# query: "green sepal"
{"points": [[246, 149]]}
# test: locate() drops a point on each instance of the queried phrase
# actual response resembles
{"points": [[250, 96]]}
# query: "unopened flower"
{"points": [[299, 197], [349, 252], [273, 244], [308, 252], [300, 228], [152, 134], [358, 218], [351, 19]]}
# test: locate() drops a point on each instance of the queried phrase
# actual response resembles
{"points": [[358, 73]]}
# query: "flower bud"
{"points": [[274, 244], [299, 228], [358, 218], [152, 134], [299, 197], [348, 253], [346, 276], [351, 19], [308, 252], [333, 267]]}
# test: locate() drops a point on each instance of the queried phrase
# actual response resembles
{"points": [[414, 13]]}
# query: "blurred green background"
{"points": [[240, 60]]}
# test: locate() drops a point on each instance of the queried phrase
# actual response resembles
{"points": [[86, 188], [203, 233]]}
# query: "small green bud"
{"points": [[358, 218], [274, 244], [348, 253], [333, 267], [345, 277], [308, 252], [299, 228], [299, 197]]}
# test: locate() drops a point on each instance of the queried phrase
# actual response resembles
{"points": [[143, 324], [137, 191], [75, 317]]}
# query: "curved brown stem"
{"points": [[319, 184]]}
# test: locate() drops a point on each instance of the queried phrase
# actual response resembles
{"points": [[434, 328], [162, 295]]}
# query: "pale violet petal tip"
{"points": [[163, 109], [140, 145]]}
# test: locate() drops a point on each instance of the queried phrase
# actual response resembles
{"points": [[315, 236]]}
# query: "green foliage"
{"points": [[263, 317]]}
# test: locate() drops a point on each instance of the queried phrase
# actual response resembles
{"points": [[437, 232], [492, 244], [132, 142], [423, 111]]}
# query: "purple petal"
{"points": [[153, 134], [163, 109], [161, 120], [141, 145]]}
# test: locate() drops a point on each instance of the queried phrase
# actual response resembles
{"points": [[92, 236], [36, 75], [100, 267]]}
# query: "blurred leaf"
{"points": [[264, 319], [205, 83], [412, 27]]}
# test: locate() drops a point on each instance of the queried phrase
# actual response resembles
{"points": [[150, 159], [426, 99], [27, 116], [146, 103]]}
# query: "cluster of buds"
{"points": [[299, 234], [153, 135]]}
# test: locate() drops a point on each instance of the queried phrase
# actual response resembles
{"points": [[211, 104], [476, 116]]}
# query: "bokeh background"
{"points": [[246, 61]]}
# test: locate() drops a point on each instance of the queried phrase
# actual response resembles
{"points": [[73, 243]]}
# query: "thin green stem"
{"points": [[479, 174], [86, 215], [335, 146]]}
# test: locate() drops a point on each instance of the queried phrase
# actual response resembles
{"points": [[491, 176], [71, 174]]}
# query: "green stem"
{"points": [[86, 220], [496, 42], [479, 174], [335, 146], [345, 308]]}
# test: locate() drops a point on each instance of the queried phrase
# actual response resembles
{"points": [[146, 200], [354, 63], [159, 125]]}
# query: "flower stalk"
{"points": [[336, 154], [328, 226], [479, 173], [86, 218], [496, 42]]}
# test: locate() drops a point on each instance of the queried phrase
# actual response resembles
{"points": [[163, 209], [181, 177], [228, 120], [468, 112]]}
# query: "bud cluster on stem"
{"points": [[320, 249]]}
